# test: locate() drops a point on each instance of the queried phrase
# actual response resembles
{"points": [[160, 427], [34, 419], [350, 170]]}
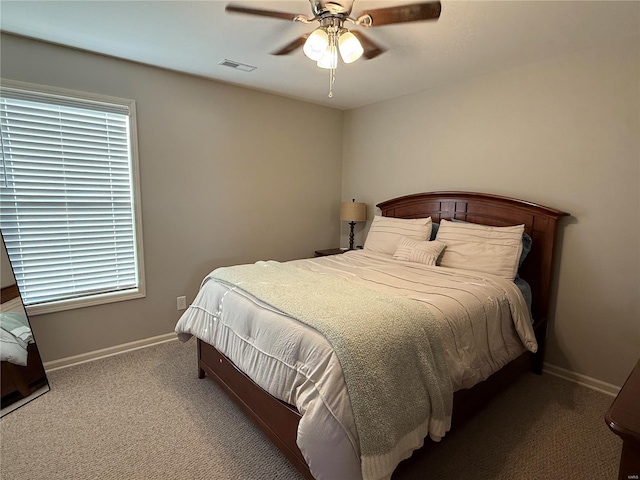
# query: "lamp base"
{"points": [[351, 236]]}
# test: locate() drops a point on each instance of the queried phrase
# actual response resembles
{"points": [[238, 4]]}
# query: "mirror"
{"points": [[23, 377]]}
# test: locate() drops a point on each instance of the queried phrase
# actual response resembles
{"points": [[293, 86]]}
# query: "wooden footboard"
{"points": [[23, 380], [278, 420]]}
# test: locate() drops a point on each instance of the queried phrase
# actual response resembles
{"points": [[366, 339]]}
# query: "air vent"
{"points": [[237, 65]]}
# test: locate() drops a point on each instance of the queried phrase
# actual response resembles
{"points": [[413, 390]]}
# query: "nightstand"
{"points": [[623, 418], [330, 251]]}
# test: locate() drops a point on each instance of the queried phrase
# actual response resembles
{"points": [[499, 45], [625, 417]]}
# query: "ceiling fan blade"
{"points": [[290, 47], [371, 49], [404, 13], [263, 13]]}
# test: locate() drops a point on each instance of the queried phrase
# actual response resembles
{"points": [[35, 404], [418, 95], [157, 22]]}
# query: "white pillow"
{"points": [[418, 251], [386, 232], [494, 250], [11, 351]]}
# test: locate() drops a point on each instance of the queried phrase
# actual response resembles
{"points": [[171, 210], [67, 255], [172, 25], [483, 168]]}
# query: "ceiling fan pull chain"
{"points": [[332, 80]]}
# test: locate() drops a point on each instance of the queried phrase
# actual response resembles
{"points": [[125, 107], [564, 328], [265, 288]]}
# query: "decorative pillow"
{"points": [[386, 232], [418, 251], [481, 248]]}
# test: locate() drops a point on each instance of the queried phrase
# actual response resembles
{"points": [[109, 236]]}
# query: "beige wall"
{"points": [[227, 177], [6, 272], [563, 133]]}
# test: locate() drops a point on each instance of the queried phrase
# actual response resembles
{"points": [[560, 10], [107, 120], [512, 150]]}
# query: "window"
{"points": [[69, 197]]}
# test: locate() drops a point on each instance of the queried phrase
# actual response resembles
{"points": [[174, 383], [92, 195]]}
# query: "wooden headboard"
{"points": [[540, 222]]}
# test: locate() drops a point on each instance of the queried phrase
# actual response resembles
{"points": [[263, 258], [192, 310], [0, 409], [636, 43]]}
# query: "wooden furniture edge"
{"points": [[329, 251], [254, 402], [629, 394], [623, 419], [9, 293]]}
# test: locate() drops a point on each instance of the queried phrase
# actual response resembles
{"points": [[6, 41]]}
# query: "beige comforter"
{"points": [[484, 323]]}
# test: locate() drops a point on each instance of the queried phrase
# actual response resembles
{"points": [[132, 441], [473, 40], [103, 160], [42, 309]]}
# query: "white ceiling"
{"points": [[471, 38]]}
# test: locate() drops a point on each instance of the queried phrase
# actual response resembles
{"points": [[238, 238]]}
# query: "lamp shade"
{"points": [[350, 48], [316, 45], [329, 58], [353, 212]]}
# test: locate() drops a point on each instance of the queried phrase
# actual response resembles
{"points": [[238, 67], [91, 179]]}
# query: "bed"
{"points": [[292, 384]]}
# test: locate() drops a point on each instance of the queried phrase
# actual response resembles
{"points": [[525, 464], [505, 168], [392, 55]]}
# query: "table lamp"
{"points": [[353, 212]]}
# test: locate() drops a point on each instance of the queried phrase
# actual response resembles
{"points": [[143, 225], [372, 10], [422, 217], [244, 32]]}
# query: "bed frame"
{"points": [[279, 421], [17, 381]]}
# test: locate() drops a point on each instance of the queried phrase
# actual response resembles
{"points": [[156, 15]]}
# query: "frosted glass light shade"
{"points": [[330, 58], [350, 47], [316, 45]]}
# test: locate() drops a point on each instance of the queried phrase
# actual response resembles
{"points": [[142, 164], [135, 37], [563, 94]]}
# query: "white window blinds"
{"points": [[67, 200]]}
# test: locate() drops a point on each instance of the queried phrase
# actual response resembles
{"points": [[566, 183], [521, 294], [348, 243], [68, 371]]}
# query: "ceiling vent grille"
{"points": [[237, 65]]}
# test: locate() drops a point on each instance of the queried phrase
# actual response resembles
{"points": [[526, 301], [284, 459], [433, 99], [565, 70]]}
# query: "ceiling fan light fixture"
{"points": [[316, 45], [322, 45], [350, 47]]}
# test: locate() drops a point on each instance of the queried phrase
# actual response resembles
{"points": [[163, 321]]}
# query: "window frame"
{"points": [[107, 297]]}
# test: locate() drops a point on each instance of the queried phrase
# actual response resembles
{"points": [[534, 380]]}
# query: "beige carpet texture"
{"points": [[145, 415]]}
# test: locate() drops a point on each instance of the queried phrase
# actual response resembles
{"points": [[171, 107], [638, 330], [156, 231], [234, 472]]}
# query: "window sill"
{"points": [[72, 304]]}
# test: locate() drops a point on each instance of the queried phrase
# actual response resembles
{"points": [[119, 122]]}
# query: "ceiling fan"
{"points": [[323, 44]]}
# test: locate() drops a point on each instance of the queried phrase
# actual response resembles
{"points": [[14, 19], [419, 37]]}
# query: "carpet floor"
{"points": [[145, 415]]}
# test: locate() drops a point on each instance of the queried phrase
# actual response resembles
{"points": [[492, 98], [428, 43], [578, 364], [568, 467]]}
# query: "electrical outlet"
{"points": [[182, 303]]}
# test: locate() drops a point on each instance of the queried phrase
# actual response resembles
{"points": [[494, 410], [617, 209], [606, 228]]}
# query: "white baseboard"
{"points": [[578, 378], [583, 380], [108, 352]]}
